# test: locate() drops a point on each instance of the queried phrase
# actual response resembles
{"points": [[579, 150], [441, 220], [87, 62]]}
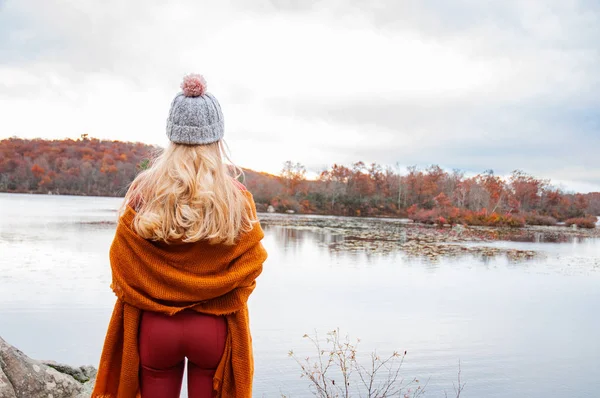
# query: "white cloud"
{"points": [[513, 85]]}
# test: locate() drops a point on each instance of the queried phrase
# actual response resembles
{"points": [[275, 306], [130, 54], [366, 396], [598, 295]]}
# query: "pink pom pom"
{"points": [[193, 85]]}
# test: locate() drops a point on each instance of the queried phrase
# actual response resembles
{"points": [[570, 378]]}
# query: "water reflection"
{"points": [[375, 237], [544, 237], [293, 238]]}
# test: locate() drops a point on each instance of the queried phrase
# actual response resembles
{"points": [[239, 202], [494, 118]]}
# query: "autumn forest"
{"points": [[89, 166]]}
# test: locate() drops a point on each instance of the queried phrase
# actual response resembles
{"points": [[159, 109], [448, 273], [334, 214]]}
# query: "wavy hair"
{"points": [[188, 193]]}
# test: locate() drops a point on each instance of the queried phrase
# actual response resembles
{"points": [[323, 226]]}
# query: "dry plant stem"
{"points": [[380, 379], [316, 372], [345, 354], [461, 386]]}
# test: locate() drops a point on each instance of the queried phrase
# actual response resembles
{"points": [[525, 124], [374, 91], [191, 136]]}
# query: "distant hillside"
{"points": [[70, 167], [89, 166]]}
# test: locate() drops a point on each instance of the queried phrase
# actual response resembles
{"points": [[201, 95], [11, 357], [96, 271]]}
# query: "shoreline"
{"points": [[390, 217], [376, 236]]}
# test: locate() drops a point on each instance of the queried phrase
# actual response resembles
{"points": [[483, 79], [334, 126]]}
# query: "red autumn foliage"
{"points": [[468, 217], [582, 222], [482, 218], [77, 167], [536, 219], [37, 171]]}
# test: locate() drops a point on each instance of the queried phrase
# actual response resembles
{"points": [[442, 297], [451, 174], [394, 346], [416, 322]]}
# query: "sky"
{"points": [[467, 84]]}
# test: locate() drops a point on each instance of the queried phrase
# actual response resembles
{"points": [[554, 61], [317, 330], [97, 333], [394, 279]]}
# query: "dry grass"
{"points": [[336, 371]]}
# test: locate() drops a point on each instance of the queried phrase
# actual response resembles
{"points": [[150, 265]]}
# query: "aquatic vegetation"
{"points": [[381, 236], [536, 219], [582, 222]]}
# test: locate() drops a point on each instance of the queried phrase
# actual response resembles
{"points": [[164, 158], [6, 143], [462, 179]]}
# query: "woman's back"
{"points": [[184, 261]]}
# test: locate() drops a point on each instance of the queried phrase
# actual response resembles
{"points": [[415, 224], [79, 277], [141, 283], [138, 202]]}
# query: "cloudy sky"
{"points": [[468, 84]]}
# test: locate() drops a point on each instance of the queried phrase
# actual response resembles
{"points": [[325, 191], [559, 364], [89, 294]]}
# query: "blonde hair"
{"points": [[189, 193]]}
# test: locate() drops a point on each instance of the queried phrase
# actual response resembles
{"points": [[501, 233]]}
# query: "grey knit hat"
{"points": [[195, 117]]}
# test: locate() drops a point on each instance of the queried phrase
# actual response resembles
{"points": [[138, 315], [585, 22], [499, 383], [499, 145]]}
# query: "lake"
{"points": [[519, 329]]}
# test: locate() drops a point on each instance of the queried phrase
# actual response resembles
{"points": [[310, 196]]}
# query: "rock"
{"points": [[86, 391], [23, 377], [6, 388], [270, 209], [458, 227], [82, 374], [290, 211]]}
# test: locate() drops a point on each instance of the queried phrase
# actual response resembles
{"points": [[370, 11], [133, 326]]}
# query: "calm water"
{"points": [[519, 330]]}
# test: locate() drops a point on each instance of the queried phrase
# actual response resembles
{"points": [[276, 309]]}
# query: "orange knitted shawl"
{"points": [[154, 276]]}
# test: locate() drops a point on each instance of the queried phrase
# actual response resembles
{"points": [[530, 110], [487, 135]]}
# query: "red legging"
{"points": [[165, 341]]}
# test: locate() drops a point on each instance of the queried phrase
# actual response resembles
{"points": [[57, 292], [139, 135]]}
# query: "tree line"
{"points": [[430, 195], [86, 166], [89, 166]]}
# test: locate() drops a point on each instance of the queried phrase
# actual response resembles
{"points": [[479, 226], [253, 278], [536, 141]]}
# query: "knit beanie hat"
{"points": [[195, 117]]}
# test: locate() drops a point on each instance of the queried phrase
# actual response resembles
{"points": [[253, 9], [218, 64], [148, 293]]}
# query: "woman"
{"points": [[184, 260]]}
